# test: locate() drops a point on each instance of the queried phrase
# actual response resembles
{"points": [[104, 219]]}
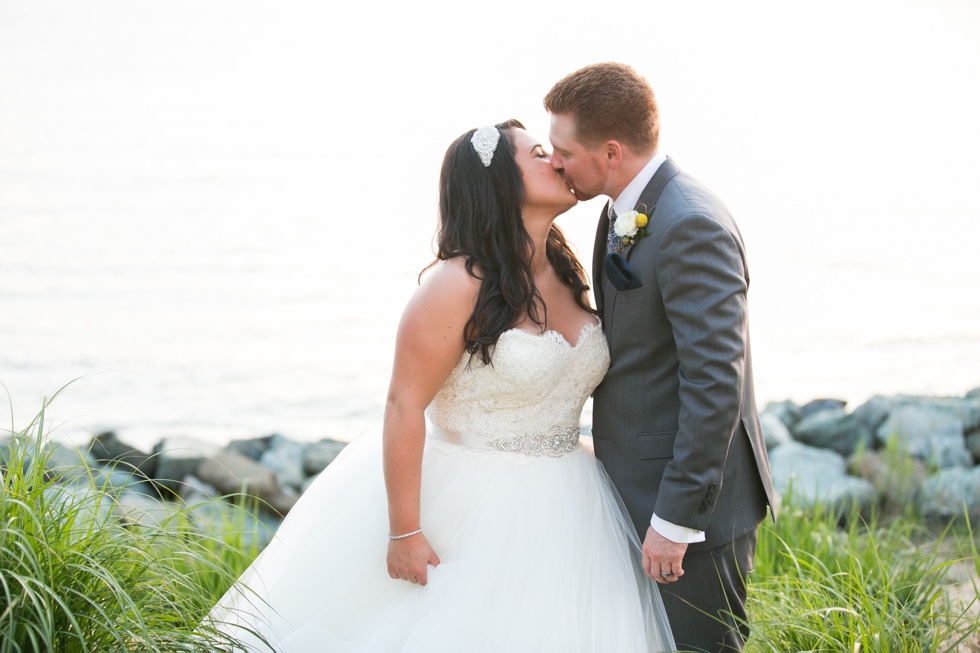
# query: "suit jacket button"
{"points": [[703, 509], [712, 487]]}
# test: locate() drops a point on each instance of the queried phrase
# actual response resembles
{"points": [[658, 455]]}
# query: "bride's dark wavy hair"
{"points": [[480, 219]]}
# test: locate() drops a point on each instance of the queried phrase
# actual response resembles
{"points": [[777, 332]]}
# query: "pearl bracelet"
{"points": [[402, 537]]}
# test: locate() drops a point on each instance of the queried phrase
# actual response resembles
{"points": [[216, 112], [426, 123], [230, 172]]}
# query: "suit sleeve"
{"points": [[703, 282]]}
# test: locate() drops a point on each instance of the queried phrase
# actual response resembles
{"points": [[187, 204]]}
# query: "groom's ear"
{"points": [[614, 153]]}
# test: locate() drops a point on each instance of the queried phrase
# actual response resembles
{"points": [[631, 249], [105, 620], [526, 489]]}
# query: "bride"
{"points": [[486, 527]]}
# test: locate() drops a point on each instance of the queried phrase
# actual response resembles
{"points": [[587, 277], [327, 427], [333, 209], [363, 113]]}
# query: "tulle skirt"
{"points": [[537, 555]]}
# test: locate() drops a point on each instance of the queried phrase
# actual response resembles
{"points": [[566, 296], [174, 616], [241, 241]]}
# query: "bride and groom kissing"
{"points": [[500, 531]]}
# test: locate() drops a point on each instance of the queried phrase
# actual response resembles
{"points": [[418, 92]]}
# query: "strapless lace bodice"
{"points": [[534, 389]]}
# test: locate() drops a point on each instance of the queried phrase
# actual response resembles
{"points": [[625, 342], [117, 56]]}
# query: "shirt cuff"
{"points": [[675, 533]]}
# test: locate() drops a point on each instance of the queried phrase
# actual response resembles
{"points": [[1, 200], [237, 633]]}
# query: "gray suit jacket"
{"points": [[674, 420]]}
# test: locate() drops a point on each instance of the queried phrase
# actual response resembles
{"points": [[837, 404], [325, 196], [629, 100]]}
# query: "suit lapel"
{"points": [[648, 198], [667, 171]]}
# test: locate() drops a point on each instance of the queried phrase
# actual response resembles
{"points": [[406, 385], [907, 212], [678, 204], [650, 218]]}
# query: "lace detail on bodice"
{"points": [[536, 385]]}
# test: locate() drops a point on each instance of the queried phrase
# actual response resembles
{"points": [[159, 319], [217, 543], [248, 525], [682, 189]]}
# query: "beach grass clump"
{"points": [[76, 578], [867, 587]]}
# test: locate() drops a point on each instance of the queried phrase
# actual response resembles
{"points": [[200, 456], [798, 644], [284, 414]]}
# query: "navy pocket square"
{"points": [[620, 273]]}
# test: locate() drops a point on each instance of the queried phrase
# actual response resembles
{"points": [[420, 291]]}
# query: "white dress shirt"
{"points": [[631, 194], [627, 202]]}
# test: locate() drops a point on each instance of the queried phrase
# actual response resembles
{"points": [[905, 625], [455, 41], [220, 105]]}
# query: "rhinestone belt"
{"points": [[555, 442]]}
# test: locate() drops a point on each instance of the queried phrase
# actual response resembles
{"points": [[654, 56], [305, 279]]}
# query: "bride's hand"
{"points": [[408, 559]]}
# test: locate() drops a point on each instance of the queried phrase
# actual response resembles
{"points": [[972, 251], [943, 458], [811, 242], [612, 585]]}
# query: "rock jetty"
{"points": [[896, 451]]}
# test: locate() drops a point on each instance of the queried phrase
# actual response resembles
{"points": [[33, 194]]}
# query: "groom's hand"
{"points": [[662, 559]]}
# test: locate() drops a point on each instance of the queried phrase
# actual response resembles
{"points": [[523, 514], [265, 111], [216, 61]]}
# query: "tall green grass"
{"points": [[74, 578], [868, 587]]}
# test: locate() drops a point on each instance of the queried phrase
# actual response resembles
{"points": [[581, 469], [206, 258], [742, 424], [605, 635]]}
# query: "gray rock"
{"points": [[252, 448], [89, 505], [285, 458], [194, 490], [973, 394], [229, 522], [815, 475], [230, 473], [178, 457], [107, 449], [896, 477], [136, 508], [773, 430], [935, 436], [320, 454], [874, 412], [67, 464], [787, 411], [944, 495], [832, 428], [878, 408], [820, 405], [966, 408], [115, 480], [973, 446]]}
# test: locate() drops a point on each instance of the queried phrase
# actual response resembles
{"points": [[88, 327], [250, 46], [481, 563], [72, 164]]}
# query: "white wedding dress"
{"points": [[537, 554]]}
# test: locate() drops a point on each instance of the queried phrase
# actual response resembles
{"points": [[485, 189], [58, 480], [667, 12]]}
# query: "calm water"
{"points": [[212, 213]]}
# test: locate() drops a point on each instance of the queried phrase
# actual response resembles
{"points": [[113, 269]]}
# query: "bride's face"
{"points": [[544, 188]]}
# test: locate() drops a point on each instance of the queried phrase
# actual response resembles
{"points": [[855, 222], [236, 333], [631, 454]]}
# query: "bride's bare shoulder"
{"points": [[452, 277], [446, 295]]}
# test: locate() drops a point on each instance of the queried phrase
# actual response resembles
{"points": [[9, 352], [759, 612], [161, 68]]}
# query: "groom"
{"points": [[674, 421]]}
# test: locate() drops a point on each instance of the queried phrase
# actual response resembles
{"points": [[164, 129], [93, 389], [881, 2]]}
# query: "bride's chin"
{"points": [[564, 209]]}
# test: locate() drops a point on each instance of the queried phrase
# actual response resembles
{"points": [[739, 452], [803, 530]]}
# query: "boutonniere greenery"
{"points": [[631, 226]]}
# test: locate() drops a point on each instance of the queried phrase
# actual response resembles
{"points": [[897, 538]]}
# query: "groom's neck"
{"points": [[629, 167]]}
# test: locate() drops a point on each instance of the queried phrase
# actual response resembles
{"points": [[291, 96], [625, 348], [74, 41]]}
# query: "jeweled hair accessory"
{"points": [[485, 141]]}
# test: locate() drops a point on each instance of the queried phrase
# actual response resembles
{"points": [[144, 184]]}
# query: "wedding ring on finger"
{"points": [[666, 574]]}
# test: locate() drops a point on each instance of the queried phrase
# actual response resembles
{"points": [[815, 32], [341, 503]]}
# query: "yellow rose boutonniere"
{"points": [[631, 226]]}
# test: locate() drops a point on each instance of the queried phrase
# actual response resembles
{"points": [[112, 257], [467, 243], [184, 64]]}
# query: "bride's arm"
{"points": [[429, 344]]}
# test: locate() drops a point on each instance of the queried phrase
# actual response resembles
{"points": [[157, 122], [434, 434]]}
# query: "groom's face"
{"points": [[580, 166]]}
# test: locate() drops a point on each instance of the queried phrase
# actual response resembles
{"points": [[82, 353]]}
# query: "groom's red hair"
{"points": [[608, 101]]}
